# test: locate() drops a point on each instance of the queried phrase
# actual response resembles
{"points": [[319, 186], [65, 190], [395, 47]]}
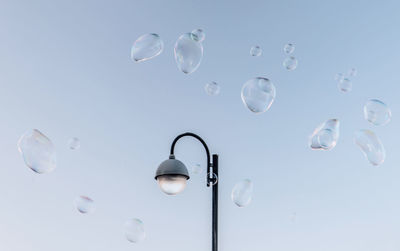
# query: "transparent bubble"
{"points": [[214, 179], [74, 143], [288, 48], [134, 230], [84, 204], [290, 63], [188, 53], [258, 94], [38, 151], [377, 112], [146, 47], [339, 76], [198, 35], [325, 136], [352, 72], [371, 146], [212, 88], [196, 169], [345, 85], [242, 193], [255, 51]]}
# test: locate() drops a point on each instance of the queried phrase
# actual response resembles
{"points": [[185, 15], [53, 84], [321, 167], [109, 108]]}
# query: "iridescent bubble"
{"points": [[352, 72], [345, 85], [38, 151], [377, 112], [146, 47], [258, 94], [196, 169], [212, 88], [288, 48], [84, 204], [255, 51], [198, 35], [339, 76], [371, 146], [325, 136], [242, 193], [188, 53], [290, 63], [74, 143], [134, 230]]}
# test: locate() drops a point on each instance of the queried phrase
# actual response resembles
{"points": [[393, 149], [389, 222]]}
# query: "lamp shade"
{"points": [[171, 176]]}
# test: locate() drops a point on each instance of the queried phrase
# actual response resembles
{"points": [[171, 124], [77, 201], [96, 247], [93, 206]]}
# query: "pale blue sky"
{"points": [[65, 69]]}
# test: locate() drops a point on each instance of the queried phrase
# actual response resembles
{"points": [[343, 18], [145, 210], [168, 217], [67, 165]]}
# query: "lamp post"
{"points": [[172, 176]]}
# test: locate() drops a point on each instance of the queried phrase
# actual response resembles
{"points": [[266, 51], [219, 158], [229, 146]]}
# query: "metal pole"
{"points": [[215, 204]]}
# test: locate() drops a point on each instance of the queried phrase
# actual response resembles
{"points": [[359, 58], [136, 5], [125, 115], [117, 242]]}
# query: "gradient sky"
{"points": [[65, 69]]}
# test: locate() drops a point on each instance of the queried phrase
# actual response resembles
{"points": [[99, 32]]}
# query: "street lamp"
{"points": [[172, 176]]}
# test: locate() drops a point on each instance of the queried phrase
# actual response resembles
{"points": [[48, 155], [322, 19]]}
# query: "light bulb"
{"points": [[172, 184]]}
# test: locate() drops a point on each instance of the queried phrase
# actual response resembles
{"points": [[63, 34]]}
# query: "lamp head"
{"points": [[172, 175]]}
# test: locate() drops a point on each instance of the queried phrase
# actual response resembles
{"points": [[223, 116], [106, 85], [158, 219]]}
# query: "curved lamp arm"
{"points": [[199, 139]]}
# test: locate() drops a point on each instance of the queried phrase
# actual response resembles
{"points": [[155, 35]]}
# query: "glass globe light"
{"points": [[172, 184]]}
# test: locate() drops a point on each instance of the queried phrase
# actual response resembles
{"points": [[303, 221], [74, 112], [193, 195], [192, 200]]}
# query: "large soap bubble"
{"points": [[188, 53], [258, 94], [377, 112], [371, 146], [146, 47], [325, 136], [38, 151]]}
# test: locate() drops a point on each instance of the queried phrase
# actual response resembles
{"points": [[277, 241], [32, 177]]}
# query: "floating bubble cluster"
{"points": [[371, 146], [290, 63], [242, 193], [84, 204], [288, 48], [258, 94], [196, 169], [134, 230], [325, 136], [146, 47], [37, 151], [377, 112], [188, 53], [212, 88], [345, 85], [74, 143], [255, 51], [198, 35]]}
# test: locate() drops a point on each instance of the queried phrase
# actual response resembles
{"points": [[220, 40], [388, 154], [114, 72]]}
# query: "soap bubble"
{"points": [[37, 151], [214, 179], [258, 94], [188, 53], [196, 169], [84, 204], [325, 136], [371, 146], [377, 112], [290, 63], [198, 35], [288, 48], [255, 51], [242, 193], [134, 230], [212, 88], [345, 85], [352, 72], [74, 143], [146, 47]]}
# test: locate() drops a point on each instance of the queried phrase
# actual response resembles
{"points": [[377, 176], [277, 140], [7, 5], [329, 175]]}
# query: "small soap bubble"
{"points": [[345, 85], [352, 72], [198, 35], [255, 51], [212, 88], [258, 94], [74, 143], [134, 230], [325, 136], [288, 48], [242, 193], [84, 204], [290, 63], [377, 112], [196, 169], [146, 47], [188, 53], [371, 146]]}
